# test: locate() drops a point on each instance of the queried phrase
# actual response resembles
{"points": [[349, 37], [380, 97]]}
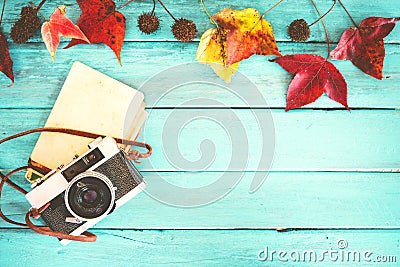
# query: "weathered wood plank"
{"points": [[38, 81], [318, 141], [362, 143], [308, 140], [200, 248], [285, 200], [280, 18]]}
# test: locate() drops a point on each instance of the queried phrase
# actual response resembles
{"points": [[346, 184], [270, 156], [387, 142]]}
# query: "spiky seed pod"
{"points": [[298, 30], [27, 11], [184, 30], [148, 23], [26, 26]]}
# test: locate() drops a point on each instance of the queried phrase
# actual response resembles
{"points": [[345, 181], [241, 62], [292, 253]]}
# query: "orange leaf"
{"points": [[247, 34], [57, 26], [212, 51]]}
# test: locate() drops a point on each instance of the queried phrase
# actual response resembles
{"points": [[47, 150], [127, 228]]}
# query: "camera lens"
{"points": [[89, 195]]}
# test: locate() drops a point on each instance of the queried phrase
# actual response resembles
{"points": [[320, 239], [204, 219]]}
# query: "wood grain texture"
{"points": [[38, 82], [280, 17], [285, 200], [305, 140], [197, 248], [336, 173]]}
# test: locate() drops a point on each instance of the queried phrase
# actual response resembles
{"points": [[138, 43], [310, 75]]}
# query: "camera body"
{"points": [[86, 190]]}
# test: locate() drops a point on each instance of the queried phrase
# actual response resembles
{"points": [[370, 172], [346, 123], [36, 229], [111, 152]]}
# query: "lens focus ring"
{"points": [[89, 195]]}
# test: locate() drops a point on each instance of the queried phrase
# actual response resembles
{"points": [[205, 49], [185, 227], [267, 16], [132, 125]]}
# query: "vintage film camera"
{"points": [[86, 190]]}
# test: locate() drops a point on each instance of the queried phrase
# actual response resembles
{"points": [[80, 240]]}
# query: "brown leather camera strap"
{"points": [[44, 230], [4, 179], [35, 213], [84, 237], [132, 155]]}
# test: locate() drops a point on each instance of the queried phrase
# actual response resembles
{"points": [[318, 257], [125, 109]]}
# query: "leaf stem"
{"points": [[2, 11], [208, 14], [169, 13], [40, 5], [327, 12], [348, 14], [154, 7], [265, 13], [124, 5], [326, 31], [37, 10]]}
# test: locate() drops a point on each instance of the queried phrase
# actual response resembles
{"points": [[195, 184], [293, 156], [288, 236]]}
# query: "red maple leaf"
{"points": [[101, 24], [5, 59], [364, 45], [57, 26], [314, 75]]}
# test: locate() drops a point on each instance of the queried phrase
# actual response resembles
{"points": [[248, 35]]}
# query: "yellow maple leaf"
{"points": [[247, 33], [212, 51]]}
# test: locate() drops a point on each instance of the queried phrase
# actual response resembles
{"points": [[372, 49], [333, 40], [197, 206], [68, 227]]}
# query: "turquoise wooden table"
{"points": [[334, 185]]}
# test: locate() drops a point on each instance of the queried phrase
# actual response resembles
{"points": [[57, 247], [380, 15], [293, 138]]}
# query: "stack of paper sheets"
{"points": [[93, 102]]}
